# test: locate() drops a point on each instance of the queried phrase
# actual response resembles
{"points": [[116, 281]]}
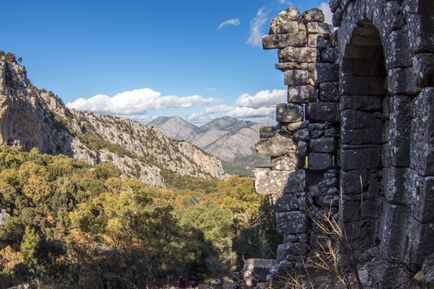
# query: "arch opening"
{"points": [[364, 125]]}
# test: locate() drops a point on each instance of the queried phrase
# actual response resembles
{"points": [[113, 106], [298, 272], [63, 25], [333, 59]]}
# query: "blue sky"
{"points": [[141, 59]]}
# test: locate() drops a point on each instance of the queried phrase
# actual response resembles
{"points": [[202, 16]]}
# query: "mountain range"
{"points": [[230, 139], [32, 117]]}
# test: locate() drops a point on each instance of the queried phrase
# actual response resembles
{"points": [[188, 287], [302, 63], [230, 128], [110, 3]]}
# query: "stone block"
{"points": [[269, 182], [320, 161], [302, 135], [294, 126], [420, 192], [399, 130], [290, 202], [284, 163], [361, 102], [363, 158], [323, 111], [295, 65], [323, 145], [284, 40], [329, 55], [350, 211], [363, 85], [353, 182], [292, 222], [298, 54], [420, 32], [318, 41], [296, 249], [392, 231], [302, 149], [424, 7], [328, 201], [300, 94], [312, 15], [277, 145], [422, 127], [288, 113], [280, 26], [402, 81], [327, 72], [319, 28], [296, 77], [393, 183], [353, 119], [397, 48], [372, 66], [423, 65], [329, 92], [420, 245], [364, 136]]}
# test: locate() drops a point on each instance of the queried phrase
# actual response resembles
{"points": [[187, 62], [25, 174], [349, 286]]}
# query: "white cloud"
{"points": [[262, 98], [256, 27], [261, 105], [233, 22], [138, 101], [324, 6], [209, 89], [284, 2]]}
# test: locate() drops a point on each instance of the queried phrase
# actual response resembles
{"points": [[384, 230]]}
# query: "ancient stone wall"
{"points": [[355, 138]]}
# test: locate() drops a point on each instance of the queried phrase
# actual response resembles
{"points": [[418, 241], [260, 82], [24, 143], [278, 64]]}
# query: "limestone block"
{"points": [[402, 81], [290, 202], [362, 136], [327, 72], [399, 130], [361, 102], [363, 158], [329, 55], [298, 54], [329, 91], [420, 238], [423, 65], [422, 126], [392, 234], [323, 111], [353, 182], [255, 270], [284, 40], [296, 77], [354, 119], [313, 15], [320, 161], [420, 192], [302, 149], [300, 94], [296, 249], [318, 41], [425, 7], [319, 28], [288, 113], [323, 145], [277, 145], [393, 183], [292, 127], [302, 135], [397, 48], [420, 32], [337, 17], [328, 201], [292, 222], [268, 182], [295, 65], [284, 163]]}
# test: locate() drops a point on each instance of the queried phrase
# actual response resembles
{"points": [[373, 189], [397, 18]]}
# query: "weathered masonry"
{"points": [[356, 137]]}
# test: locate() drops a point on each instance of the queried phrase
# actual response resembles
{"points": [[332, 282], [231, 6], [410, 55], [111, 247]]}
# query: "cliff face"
{"points": [[35, 118]]}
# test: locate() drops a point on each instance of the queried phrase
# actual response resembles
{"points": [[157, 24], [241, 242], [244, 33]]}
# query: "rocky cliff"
{"points": [[32, 117]]}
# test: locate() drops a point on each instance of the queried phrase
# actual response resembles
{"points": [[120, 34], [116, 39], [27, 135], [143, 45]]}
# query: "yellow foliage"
{"points": [[9, 258]]}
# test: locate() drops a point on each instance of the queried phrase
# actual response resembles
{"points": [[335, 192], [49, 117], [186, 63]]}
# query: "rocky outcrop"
{"points": [[229, 139], [30, 117], [358, 124]]}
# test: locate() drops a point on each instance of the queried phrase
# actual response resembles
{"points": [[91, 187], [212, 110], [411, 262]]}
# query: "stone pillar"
{"points": [[303, 145]]}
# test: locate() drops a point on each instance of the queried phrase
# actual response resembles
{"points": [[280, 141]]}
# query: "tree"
{"points": [[29, 245]]}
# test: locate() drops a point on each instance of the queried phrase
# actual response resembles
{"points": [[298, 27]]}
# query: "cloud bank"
{"points": [[229, 22], [138, 101]]}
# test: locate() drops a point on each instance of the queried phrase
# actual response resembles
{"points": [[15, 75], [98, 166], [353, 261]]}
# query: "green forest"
{"points": [[68, 224]]}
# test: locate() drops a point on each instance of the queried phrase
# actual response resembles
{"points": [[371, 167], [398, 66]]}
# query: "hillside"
{"points": [[32, 117], [231, 140]]}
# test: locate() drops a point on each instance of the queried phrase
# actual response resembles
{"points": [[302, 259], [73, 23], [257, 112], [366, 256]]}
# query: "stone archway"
{"points": [[364, 139]]}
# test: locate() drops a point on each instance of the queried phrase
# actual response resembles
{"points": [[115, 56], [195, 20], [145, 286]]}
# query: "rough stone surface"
{"points": [[364, 138]]}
